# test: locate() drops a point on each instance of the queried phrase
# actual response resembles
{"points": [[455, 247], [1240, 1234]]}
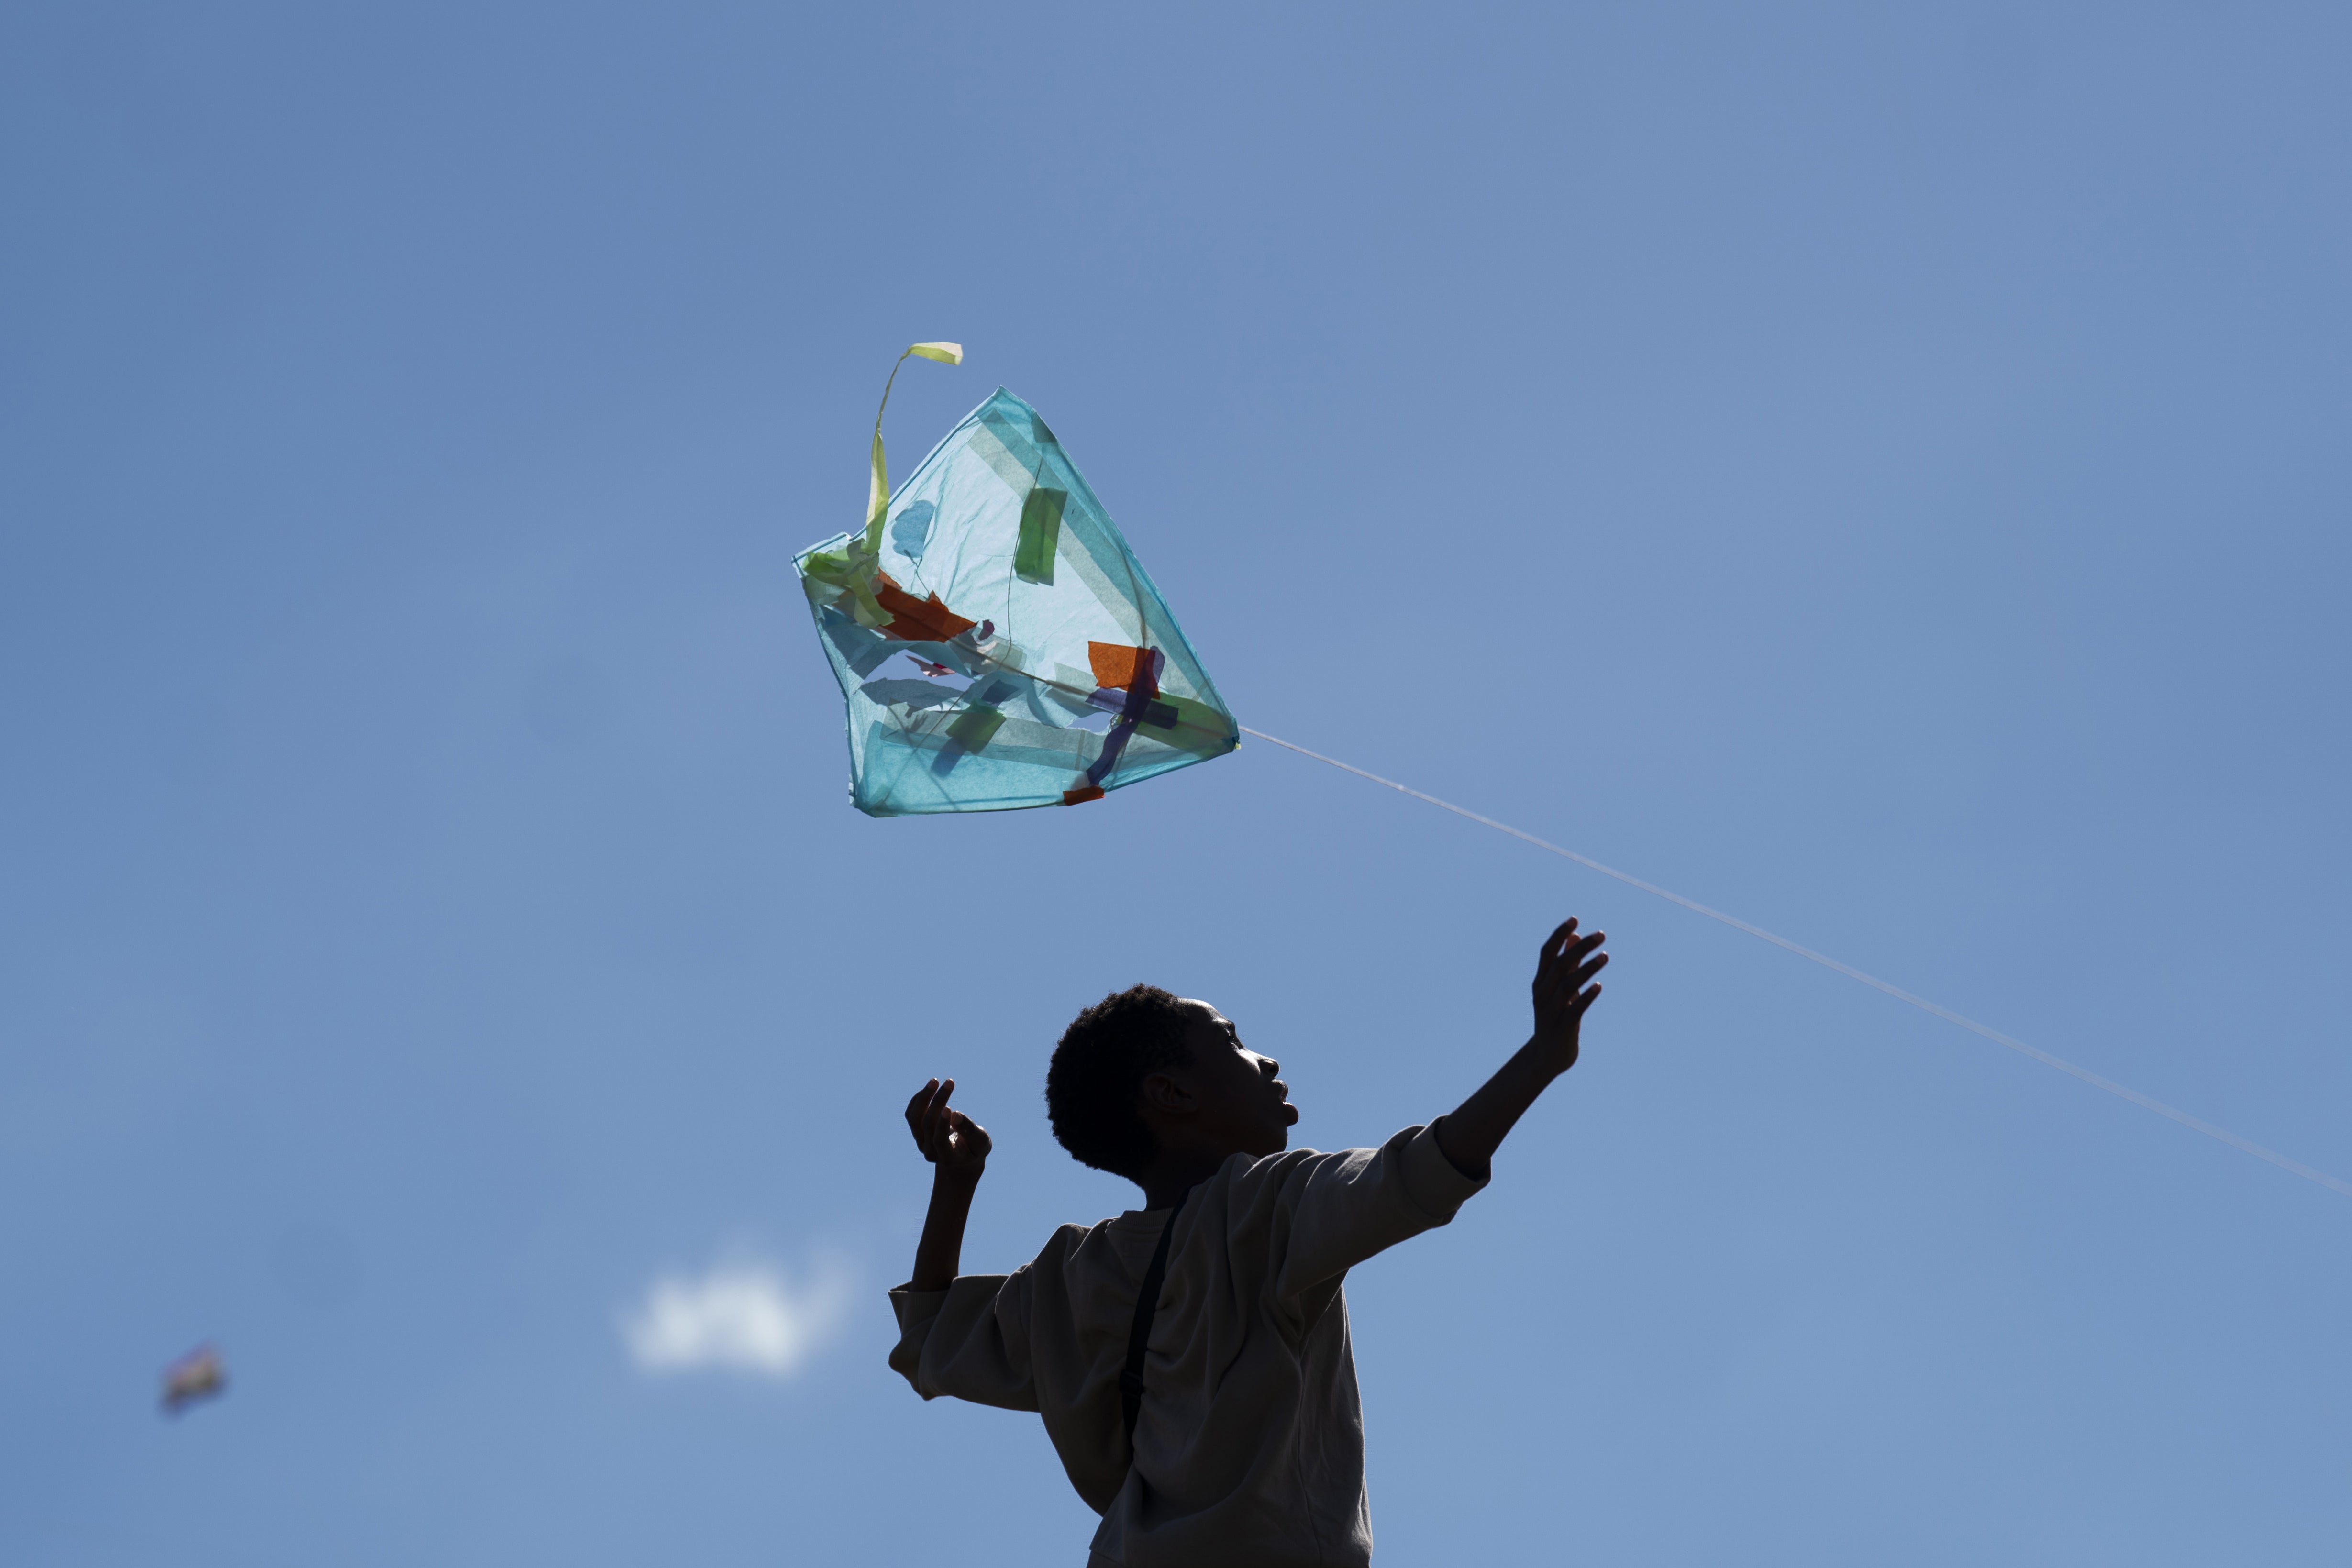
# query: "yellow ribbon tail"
{"points": [[877, 495], [878, 482]]}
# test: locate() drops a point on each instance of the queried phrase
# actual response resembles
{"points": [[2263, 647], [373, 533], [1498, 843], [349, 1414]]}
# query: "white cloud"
{"points": [[738, 1317]]}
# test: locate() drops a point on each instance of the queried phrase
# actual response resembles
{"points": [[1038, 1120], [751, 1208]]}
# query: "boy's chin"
{"points": [[1289, 1115]]}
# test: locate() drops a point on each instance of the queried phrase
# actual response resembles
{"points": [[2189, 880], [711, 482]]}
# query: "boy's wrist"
{"points": [[960, 1179], [1550, 1051]]}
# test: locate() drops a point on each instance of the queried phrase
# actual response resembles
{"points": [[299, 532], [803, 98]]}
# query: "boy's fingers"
{"points": [[1568, 974], [956, 1127], [915, 1110], [1584, 956], [1586, 999], [1565, 944], [925, 1119]]}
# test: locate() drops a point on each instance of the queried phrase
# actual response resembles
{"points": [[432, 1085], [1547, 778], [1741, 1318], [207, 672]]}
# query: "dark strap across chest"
{"points": [[1147, 1303]]}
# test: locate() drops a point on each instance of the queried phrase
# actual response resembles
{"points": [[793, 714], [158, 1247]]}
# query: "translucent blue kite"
{"points": [[998, 643]]}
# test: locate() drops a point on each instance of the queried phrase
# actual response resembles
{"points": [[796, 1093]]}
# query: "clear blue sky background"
{"points": [[1878, 470]]}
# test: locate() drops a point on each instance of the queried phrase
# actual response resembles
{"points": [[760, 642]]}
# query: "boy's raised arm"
{"points": [[1472, 1132], [965, 1335], [958, 1148]]}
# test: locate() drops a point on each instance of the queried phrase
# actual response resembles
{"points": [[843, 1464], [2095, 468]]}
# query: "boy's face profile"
{"points": [[1225, 1099]]}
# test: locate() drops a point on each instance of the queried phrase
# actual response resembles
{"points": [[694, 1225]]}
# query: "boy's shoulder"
{"points": [[1240, 1180], [1120, 1230], [1120, 1244]]}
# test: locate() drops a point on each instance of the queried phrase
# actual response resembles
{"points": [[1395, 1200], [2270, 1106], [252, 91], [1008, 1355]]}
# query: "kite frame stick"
{"points": [[2121, 1092]]}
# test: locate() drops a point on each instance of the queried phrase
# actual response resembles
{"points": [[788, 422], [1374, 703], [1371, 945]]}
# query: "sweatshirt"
{"points": [[1249, 1452]]}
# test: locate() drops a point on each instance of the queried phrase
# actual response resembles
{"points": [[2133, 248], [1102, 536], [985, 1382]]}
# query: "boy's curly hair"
{"points": [[1098, 1069]]}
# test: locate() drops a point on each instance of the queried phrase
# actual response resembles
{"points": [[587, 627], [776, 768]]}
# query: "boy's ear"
{"points": [[1164, 1094]]}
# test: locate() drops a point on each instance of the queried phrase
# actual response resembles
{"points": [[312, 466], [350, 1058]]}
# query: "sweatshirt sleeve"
{"points": [[970, 1340], [1334, 1210]]}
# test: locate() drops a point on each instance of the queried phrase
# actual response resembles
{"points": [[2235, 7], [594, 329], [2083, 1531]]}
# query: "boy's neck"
{"points": [[1176, 1172]]}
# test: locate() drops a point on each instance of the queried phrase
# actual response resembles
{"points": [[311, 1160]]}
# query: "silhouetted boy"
{"points": [[1191, 1358]]}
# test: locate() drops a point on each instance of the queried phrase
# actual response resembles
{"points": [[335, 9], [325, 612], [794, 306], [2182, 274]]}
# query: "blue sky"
{"points": [[1877, 470]]}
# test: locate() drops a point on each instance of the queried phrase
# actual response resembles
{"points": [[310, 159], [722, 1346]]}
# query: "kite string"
{"points": [[2119, 1090]]}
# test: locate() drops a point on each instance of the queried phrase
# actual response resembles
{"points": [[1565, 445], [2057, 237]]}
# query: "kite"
{"points": [[199, 1375], [1042, 666]]}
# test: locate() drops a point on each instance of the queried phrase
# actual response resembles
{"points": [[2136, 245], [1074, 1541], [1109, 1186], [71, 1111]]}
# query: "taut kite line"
{"points": [[2121, 1092]]}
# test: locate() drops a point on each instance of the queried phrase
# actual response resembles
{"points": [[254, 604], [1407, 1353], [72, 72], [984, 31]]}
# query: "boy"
{"points": [[1190, 1359]]}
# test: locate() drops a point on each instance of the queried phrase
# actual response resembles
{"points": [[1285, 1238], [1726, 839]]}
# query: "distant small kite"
{"points": [[1057, 673], [199, 1375]]}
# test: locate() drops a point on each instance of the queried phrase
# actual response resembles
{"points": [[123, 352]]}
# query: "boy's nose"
{"points": [[1269, 1066]]}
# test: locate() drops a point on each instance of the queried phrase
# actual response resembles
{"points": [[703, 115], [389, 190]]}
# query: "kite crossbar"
{"points": [[2121, 1092]]}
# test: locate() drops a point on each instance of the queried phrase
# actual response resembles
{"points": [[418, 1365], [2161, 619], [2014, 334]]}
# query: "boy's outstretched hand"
{"points": [[1561, 995], [951, 1140], [1469, 1134]]}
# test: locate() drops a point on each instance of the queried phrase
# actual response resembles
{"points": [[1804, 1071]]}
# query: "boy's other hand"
{"points": [[951, 1141], [1561, 995]]}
